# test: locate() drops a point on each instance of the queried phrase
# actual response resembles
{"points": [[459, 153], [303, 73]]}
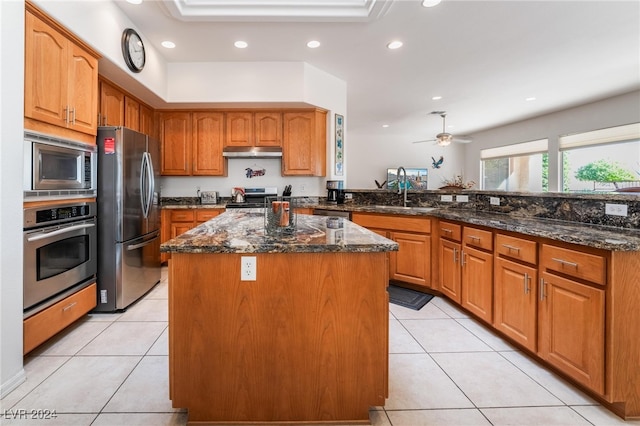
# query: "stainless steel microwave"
{"points": [[58, 167]]}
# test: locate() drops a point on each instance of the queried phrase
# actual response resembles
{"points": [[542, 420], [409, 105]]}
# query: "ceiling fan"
{"points": [[444, 138]]}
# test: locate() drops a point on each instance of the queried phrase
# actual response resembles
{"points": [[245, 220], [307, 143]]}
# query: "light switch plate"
{"points": [[494, 201], [446, 198], [615, 209]]}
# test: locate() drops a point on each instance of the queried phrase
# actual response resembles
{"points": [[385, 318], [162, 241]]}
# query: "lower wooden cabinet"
{"points": [[571, 326], [515, 297], [477, 282], [179, 221], [450, 273], [45, 324], [412, 262]]}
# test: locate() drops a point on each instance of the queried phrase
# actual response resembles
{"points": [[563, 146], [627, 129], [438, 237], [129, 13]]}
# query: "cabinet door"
{"points": [[179, 228], [147, 124], [515, 298], [83, 91], [304, 143], [111, 105], [132, 114], [450, 274], [268, 128], [45, 72], [239, 129], [175, 140], [412, 262], [571, 329], [208, 137], [477, 282], [203, 215]]}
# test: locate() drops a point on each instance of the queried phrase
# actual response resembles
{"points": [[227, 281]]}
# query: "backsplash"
{"points": [[582, 208]]}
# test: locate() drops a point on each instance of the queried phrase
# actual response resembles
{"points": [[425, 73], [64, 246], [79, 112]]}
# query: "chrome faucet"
{"points": [[404, 184]]}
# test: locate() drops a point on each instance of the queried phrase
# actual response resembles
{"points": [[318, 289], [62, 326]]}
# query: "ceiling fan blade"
{"points": [[462, 139], [429, 140]]}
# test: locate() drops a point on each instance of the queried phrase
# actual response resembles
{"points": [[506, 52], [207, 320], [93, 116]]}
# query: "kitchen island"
{"points": [[305, 340]]}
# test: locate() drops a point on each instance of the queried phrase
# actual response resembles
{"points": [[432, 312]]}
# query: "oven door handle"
{"points": [[60, 231]]}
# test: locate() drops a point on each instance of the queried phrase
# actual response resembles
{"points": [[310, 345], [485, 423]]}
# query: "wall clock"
{"points": [[133, 50]]}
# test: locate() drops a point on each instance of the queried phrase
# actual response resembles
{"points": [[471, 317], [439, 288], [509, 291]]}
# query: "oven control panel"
{"points": [[48, 215]]}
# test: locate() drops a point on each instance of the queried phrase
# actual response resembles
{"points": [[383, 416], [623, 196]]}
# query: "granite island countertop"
{"points": [[243, 231]]}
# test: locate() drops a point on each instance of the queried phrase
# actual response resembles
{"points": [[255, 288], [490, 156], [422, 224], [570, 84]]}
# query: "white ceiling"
{"points": [[483, 57]]}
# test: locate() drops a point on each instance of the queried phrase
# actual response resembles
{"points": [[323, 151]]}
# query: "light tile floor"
{"points": [[444, 369]]}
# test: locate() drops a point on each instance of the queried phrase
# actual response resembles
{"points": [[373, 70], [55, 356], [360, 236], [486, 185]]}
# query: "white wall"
{"points": [[615, 111], [11, 136], [369, 156]]}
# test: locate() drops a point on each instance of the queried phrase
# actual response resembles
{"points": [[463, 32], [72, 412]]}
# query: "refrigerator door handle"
{"points": [[151, 181], [144, 185], [144, 243]]}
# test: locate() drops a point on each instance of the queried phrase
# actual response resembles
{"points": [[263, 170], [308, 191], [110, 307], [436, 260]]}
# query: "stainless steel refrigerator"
{"points": [[128, 217]]}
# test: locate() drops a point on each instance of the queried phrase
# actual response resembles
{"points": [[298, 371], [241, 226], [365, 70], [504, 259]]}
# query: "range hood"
{"points": [[252, 151]]}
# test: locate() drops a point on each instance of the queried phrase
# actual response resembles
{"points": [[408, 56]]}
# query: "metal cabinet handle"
{"points": [[463, 255], [66, 308], [455, 255], [526, 282], [564, 262], [66, 114], [73, 120], [541, 289], [448, 231], [473, 237], [509, 247]]}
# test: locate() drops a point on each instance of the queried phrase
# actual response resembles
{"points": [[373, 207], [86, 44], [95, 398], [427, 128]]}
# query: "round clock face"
{"points": [[133, 50]]}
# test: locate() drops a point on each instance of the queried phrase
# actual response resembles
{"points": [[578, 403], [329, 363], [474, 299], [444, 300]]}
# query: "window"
{"points": [[518, 167], [602, 160]]}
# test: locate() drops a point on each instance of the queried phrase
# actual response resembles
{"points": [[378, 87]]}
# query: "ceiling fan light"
{"points": [[444, 139]]}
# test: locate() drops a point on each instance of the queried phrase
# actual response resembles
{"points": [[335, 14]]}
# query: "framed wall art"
{"points": [[339, 145]]}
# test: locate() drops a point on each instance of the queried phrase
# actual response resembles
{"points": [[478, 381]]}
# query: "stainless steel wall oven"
{"points": [[60, 252]]}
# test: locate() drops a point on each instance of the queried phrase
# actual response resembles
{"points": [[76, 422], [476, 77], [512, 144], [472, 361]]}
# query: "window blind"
{"points": [[626, 133], [515, 150]]}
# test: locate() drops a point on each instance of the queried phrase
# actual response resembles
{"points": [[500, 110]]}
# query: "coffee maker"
{"points": [[335, 192]]}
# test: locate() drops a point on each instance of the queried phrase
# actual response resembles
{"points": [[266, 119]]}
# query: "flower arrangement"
{"points": [[457, 182]]}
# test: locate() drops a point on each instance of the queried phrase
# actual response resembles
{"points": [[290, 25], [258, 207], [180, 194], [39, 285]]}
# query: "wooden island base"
{"points": [[307, 342]]}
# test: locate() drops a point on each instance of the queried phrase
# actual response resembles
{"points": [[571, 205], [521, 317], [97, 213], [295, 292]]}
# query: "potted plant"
{"points": [[456, 183]]}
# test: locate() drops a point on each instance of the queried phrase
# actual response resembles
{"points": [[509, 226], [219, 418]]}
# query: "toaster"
{"points": [[209, 197]]}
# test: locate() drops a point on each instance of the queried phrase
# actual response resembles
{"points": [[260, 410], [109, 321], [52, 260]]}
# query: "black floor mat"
{"points": [[408, 298]]}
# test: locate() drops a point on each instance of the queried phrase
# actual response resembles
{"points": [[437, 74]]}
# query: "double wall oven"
{"points": [[59, 229]]}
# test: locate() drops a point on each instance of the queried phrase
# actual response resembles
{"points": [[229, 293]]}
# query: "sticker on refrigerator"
{"points": [[109, 146]]}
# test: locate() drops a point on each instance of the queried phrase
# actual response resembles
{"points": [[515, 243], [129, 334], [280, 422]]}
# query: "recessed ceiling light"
{"points": [[134, 1], [241, 44], [436, 98], [531, 98], [430, 3], [385, 125], [313, 44], [394, 45], [168, 44]]}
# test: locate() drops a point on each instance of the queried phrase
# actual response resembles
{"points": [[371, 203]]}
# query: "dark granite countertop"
{"points": [[596, 236], [243, 231]]}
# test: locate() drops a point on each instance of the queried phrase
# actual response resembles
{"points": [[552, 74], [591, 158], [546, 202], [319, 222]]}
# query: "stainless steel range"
{"points": [[254, 197]]}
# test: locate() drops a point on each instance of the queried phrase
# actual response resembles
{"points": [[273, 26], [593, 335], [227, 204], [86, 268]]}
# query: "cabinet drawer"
{"points": [[182, 215], [516, 248], [477, 238], [45, 324], [203, 215], [590, 267], [450, 231], [400, 223]]}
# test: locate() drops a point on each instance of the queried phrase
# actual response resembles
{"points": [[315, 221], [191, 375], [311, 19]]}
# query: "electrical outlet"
{"points": [[446, 198], [348, 196], [462, 198], [494, 201], [248, 268], [615, 209], [302, 188]]}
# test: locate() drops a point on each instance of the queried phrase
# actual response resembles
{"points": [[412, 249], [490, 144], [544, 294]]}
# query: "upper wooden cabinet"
{"points": [[131, 113], [61, 79], [246, 128], [147, 123], [304, 143], [192, 143], [112, 105]]}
